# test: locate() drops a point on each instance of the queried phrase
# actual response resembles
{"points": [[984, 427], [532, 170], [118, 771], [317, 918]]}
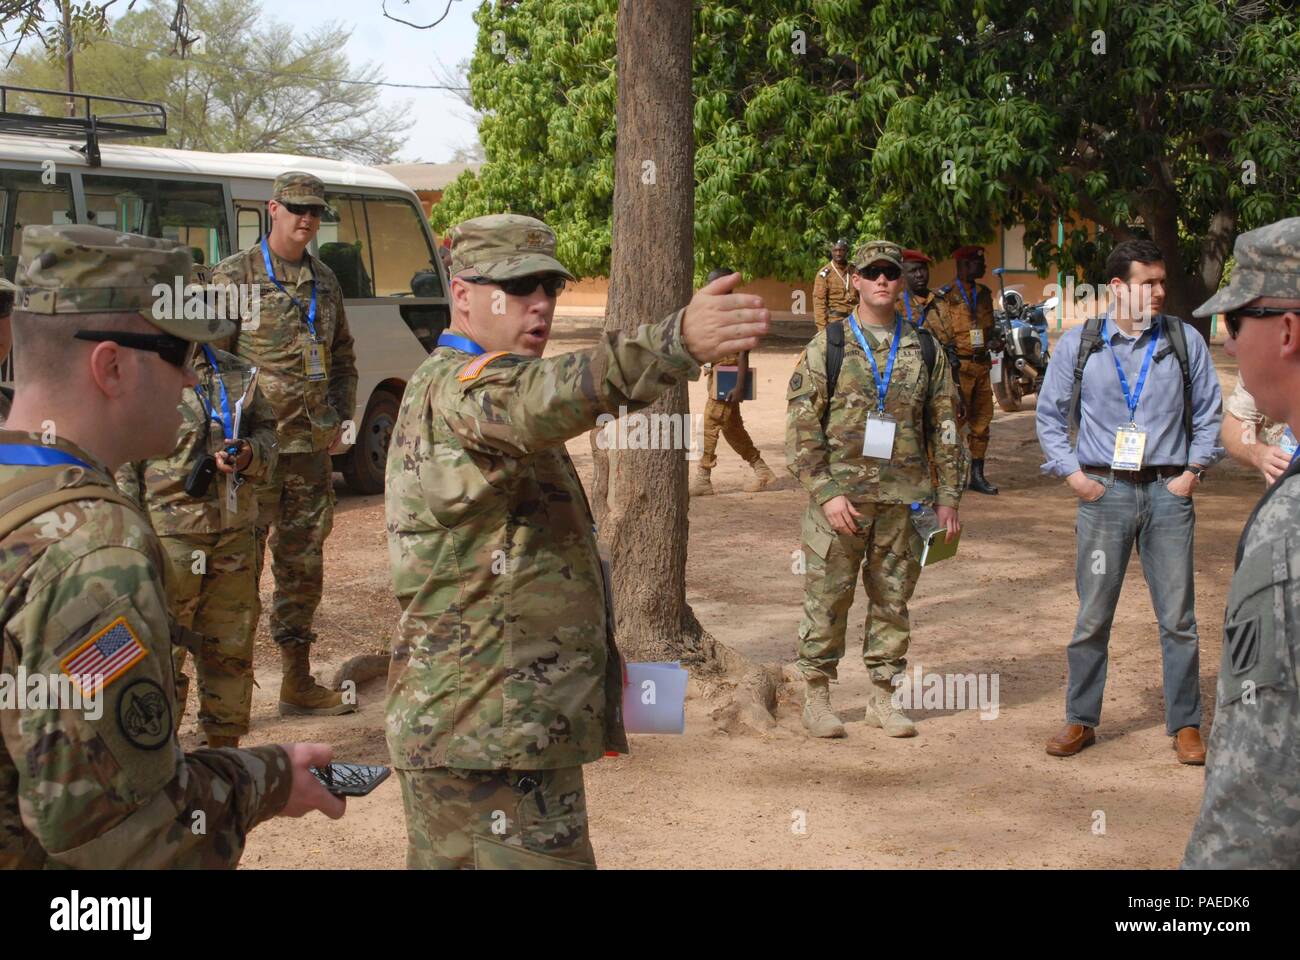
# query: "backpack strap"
{"points": [[834, 361], [1089, 343], [1177, 335], [26, 498]]}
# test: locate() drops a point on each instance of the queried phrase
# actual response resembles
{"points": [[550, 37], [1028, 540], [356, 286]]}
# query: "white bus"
{"points": [[375, 238]]}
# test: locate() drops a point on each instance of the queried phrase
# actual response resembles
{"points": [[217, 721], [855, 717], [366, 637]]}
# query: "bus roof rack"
{"points": [[143, 118]]}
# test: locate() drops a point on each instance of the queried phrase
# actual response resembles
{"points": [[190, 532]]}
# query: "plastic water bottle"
{"points": [[925, 520], [1288, 443]]}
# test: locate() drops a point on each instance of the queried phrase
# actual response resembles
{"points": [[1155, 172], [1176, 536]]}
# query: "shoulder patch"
{"points": [[801, 384], [104, 657], [826, 272], [475, 366], [144, 715]]}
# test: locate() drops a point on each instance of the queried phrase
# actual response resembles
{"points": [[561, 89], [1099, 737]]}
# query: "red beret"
{"points": [[969, 251], [915, 255]]}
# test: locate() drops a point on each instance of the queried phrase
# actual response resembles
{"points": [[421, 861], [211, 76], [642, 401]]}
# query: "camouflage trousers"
{"points": [[977, 398], [460, 819], [295, 513], [212, 591], [725, 418], [887, 550]]}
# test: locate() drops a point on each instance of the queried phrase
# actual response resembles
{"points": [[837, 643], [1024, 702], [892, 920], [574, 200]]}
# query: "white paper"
{"points": [[654, 699]]}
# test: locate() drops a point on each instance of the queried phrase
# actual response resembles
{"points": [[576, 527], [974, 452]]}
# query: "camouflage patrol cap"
{"points": [[875, 250], [78, 268], [299, 187], [504, 245], [1268, 265]]}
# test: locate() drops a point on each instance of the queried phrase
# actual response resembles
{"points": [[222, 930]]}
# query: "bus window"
{"points": [[24, 201], [192, 214], [341, 245], [403, 259], [249, 225]]}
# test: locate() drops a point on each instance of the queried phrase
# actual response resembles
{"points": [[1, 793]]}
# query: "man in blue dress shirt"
{"points": [[1134, 472]]}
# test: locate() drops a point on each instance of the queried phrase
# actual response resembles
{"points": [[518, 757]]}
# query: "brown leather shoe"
{"points": [[1190, 747], [1072, 738]]}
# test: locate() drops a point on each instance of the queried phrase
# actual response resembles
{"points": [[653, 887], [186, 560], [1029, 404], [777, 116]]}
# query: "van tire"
{"points": [[363, 466]]}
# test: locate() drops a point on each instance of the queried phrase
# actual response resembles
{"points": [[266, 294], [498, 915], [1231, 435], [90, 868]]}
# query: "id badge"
{"points": [[1130, 443], [232, 495], [314, 360], [879, 441], [977, 338]]}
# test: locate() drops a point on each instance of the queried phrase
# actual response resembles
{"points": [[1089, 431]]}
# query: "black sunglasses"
{"points": [[1233, 318], [177, 352], [523, 286], [303, 209], [872, 271]]}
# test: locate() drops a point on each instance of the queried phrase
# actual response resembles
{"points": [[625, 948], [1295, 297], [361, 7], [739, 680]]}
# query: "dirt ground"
{"points": [[966, 792]]}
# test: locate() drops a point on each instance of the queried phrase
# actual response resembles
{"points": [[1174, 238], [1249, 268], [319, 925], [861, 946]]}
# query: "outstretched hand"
{"points": [[718, 323]]}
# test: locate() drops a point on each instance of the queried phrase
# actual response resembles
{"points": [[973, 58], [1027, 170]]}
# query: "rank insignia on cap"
{"points": [[104, 657], [537, 239], [475, 366]]}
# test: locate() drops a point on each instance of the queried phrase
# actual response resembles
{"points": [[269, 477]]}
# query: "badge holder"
{"points": [[879, 441], [977, 338], [314, 360], [1130, 445]]}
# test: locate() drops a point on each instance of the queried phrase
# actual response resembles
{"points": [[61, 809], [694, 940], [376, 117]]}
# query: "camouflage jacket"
{"points": [[505, 656], [276, 342], [1242, 406], [1249, 816], [953, 323], [918, 310], [833, 292], [159, 485], [828, 459], [108, 786]]}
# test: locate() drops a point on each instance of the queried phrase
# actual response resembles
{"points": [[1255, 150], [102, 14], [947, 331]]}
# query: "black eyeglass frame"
{"points": [[177, 351], [873, 270], [553, 284], [1232, 320]]}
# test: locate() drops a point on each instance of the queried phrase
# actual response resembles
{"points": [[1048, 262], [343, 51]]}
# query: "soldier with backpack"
{"points": [[1140, 387], [870, 408]]}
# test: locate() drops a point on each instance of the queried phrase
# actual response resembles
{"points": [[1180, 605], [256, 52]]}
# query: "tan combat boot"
{"points": [[216, 741], [762, 479], [818, 719], [300, 695], [702, 485], [882, 713]]}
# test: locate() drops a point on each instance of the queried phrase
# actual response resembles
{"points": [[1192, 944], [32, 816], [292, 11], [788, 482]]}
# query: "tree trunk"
{"points": [[645, 515]]}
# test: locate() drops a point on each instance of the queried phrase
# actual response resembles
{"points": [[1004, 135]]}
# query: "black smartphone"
{"points": [[351, 779], [200, 478]]}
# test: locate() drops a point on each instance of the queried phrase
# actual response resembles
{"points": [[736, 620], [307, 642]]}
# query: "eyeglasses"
{"points": [[1233, 319], [523, 286], [304, 209], [872, 271], [177, 352]]}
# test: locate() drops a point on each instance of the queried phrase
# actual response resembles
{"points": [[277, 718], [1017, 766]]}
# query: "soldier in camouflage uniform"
{"points": [[505, 678], [859, 515], [303, 351], [833, 293], [6, 336], [1253, 439], [1250, 814], [723, 417], [965, 324], [106, 785], [208, 540]]}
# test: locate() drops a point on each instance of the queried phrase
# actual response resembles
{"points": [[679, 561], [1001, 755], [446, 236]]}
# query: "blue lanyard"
{"points": [[449, 339], [907, 302], [1133, 398], [30, 455], [971, 301], [226, 420], [311, 311], [882, 384]]}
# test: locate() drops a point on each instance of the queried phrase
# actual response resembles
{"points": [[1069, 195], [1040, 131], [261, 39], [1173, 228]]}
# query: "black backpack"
{"points": [[835, 355], [1090, 342]]}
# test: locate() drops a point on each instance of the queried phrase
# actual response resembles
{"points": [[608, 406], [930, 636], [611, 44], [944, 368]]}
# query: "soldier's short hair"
{"points": [[43, 343]]}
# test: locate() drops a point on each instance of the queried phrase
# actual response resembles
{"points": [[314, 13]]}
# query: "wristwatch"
{"points": [[1197, 471]]}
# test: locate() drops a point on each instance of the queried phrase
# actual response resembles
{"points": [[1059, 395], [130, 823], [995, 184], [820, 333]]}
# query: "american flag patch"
{"points": [[475, 366], [104, 657]]}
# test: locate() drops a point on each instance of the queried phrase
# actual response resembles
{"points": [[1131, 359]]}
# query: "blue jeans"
{"points": [[1160, 524]]}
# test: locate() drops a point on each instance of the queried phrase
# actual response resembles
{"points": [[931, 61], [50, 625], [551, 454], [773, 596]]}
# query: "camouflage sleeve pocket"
{"points": [[1257, 650], [817, 533]]}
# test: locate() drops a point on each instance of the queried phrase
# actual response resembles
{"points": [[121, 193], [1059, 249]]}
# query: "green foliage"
{"points": [[930, 121], [254, 86]]}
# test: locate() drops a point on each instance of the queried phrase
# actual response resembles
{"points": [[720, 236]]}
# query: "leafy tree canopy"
{"points": [[929, 121]]}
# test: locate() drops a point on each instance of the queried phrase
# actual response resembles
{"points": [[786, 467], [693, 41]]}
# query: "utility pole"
{"points": [[67, 54]]}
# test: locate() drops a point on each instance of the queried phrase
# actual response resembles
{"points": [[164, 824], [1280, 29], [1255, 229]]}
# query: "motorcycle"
{"points": [[1021, 354]]}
